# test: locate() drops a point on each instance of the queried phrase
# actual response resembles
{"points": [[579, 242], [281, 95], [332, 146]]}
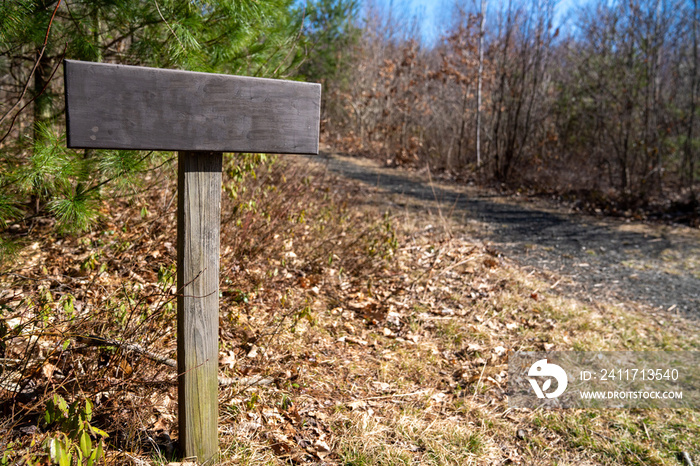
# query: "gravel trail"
{"points": [[614, 258]]}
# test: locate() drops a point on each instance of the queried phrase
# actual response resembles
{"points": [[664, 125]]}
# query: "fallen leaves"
{"points": [[356, 341], [228, 359], [317, 358]]}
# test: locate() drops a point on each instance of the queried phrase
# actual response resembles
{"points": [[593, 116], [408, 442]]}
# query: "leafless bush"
{"points": [[93, 317], [607, 101]]}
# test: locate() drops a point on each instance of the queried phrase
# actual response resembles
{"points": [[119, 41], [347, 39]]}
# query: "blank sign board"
{"points": [[131, 107]]}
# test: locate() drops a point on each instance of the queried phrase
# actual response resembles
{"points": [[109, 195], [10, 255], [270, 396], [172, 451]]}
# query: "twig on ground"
{"points": [[134, 347], [396, 395], [685, 458]]}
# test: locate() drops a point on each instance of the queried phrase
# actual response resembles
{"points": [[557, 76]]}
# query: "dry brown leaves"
{"points": [[336, 346]]}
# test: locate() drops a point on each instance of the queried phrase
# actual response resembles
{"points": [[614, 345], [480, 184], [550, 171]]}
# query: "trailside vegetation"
{"points": [[598, 105]]}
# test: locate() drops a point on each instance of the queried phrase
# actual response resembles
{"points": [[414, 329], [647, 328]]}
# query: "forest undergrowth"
{"points": [[351, 332]]}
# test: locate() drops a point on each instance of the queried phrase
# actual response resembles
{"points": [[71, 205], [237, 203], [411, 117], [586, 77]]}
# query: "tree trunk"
{"points": [[688, 146], [482, 14], [42, 101]]}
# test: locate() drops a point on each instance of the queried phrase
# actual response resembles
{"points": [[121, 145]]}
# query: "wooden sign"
{"points": [[200, 115]]}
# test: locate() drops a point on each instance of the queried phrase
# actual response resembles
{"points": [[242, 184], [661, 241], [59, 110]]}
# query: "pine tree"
{"points": [[332, 34], [38, 175]]}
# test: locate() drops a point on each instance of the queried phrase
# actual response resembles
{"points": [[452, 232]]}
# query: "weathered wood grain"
{"points": [[131, 107], [198, 218]]}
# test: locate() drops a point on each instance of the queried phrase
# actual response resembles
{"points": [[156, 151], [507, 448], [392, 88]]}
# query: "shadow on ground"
{"points": [[648, 264]]}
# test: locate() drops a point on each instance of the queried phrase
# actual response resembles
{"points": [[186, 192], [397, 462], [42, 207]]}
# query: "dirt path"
{"points": [[610, 258]]}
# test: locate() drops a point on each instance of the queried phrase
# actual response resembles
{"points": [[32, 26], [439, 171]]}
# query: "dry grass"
{"points": [[384, 335]]}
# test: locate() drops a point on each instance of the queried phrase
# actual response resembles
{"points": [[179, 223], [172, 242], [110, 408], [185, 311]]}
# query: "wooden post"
{"points": [[137, 108], [198, 218]]}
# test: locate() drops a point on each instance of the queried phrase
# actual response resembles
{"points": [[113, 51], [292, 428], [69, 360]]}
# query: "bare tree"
{"points": [[520, 102], [482, 22], [610, 106], [688, 155]]}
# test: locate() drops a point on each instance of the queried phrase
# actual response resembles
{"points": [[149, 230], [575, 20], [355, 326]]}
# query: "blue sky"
{"points": [[429, 12], [434, 14]]}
